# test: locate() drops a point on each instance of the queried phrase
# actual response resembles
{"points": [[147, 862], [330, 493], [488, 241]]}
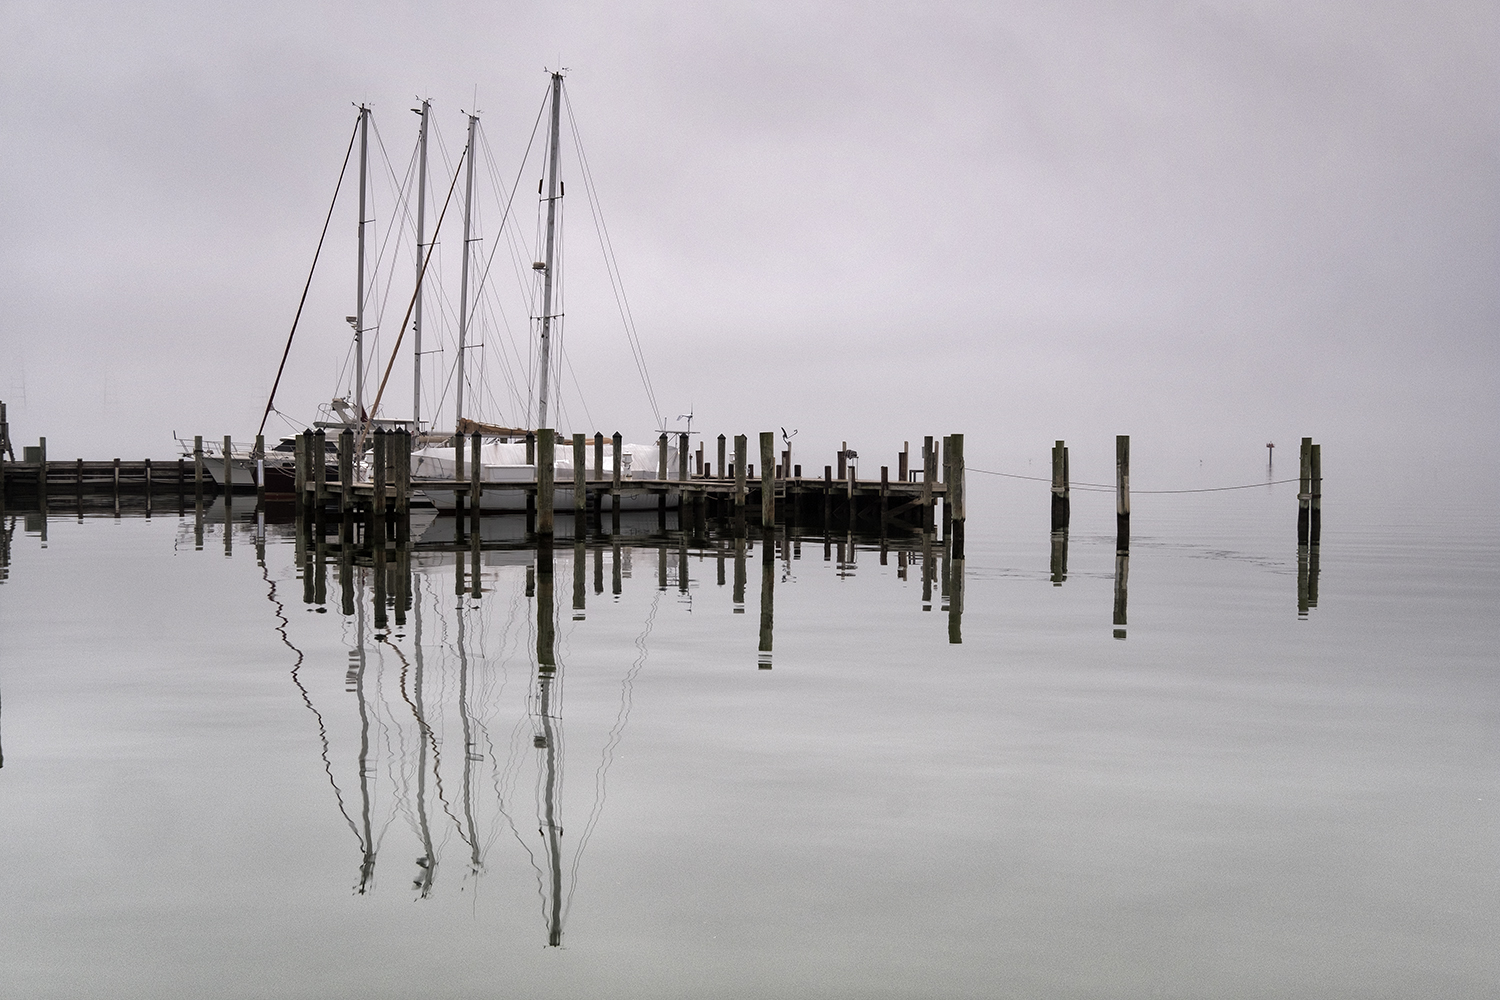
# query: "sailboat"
{"points": [[505, 455]]}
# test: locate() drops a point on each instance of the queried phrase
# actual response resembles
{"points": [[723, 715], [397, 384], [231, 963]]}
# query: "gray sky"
{"points": [[1208, 225]]}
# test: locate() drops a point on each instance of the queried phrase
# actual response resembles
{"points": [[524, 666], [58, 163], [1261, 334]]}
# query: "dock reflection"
{"points": [[448, 675]]}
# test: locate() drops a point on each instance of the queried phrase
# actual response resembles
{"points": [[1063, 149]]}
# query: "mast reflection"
{"points": [[446, 679]]}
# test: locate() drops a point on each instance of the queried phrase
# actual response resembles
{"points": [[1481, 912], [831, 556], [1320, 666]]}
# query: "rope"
{"points": [[303, 301], [1102, 487]]}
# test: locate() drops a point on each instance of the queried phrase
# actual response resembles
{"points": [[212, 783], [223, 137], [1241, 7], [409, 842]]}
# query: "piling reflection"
{"points": [[1307, 579], [1059, 557], [387, 751], [1122, 581]]}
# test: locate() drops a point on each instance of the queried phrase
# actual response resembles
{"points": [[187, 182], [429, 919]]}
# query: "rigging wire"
{"points": [[611, 264], [303, 301], [1105, 488]]}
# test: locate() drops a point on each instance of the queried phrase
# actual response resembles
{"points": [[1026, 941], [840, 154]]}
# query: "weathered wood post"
{"points": [[682, 457], [319, 470], [740, 447], [947, 466], [531, 494], [615, 476], [1304, 493], [843, 461], [228, 471], [198, 466], [598, 456], [928, 473], [580, 480], [546, 469], [903, 462], [827, 495], [723, 469], [299, 469], [661, 475], [377, 475], [1061, 501], [957, 502], [476, 484], [147, 473], [403, 473], [1315, 500], [41, 473], [260, 470], [116, 472], [1122, 493], [346, 471], [767, 480], [885, 494]]}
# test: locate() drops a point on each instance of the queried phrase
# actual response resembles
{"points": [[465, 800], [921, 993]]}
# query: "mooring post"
{"points": [[928, 473], [1122, 581], [228, 471], [903, 462], [740, 447], [767, 583], [827, 495], [1304, 493], [947, 486], [598, 456], [319, 468], [843, 461], [198, 466], [767, 480], [116, 471], [260, 470], [957, 495], [346, 471], [476, 483], [580, 487], [615, 476], [1315, 501], [403, 473], [885, 494], [531, 494], [1122, 492], [377, 497], [546, 469], [1061, 503], [299, 469], [723, 469]]}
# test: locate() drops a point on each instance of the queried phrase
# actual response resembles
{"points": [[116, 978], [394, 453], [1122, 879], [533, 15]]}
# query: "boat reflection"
{"points": [[448, 676]]}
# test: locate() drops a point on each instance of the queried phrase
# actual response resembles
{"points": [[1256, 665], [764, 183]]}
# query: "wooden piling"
{"points": [[885, 495], [843, 460], [598, 456], [723, 469], [476, 483], [115, 470], [546, 469], [616, 446], [740, 447], [1315, 500], [299, 469], [1304, 492], [377, 474], [403, 474], [1122, 492], [767, 480], [41, 472], [319, 468], [198, 466], [1061, 501], [346, 471], [682, 459], [903, 462], [957, 497], [928, 473], [260, 470], [947, 478], [580, 481], [827, 495]]}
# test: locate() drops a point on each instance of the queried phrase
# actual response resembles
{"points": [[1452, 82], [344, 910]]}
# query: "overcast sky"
{"points": [[1208, 225]]}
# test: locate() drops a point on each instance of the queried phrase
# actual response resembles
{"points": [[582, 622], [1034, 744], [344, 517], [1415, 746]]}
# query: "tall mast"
{"points": [[416, 323], [359, 297], [541, 409], [463, 287]]}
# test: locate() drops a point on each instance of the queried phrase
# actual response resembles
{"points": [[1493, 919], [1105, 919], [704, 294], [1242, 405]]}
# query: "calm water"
{"points": [[236, 770]]}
